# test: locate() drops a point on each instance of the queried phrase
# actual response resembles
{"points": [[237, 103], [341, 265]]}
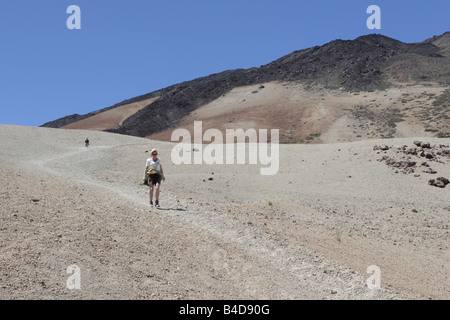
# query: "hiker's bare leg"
{"points": [[151, 191], [157, 191]]}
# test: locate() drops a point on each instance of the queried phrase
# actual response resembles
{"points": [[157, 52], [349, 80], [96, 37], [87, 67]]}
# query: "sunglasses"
{"points": [[154, 154]]}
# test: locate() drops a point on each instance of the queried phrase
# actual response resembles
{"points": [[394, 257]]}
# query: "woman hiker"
{"points": [[153, 175]]}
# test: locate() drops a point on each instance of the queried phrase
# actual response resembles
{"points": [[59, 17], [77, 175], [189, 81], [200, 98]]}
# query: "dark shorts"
{"points": [[154, 179]]}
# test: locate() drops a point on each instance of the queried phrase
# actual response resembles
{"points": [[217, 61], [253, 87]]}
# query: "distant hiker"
{"points": [[86, 142], [153, 175]]}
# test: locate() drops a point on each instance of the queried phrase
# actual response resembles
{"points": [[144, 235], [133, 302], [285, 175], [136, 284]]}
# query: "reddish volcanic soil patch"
{"points": [[110, 119]]}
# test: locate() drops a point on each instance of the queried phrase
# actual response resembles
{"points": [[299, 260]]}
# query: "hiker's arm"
{"points": [[146, 168], [162, 172]]}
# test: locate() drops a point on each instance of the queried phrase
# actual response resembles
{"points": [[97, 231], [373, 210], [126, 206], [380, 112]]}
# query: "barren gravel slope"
{"points": [[216, 239]]}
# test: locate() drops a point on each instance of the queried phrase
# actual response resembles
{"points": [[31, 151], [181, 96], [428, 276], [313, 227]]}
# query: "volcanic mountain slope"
{"points": [[370, 87]]}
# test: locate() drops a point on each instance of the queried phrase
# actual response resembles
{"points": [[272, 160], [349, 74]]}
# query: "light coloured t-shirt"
{"points": [[154, 165]]}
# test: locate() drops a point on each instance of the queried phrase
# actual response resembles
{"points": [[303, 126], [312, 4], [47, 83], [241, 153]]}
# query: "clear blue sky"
{"points": [[128, 48]]}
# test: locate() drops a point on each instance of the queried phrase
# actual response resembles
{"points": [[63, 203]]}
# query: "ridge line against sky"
{"points": [[129, 48]]}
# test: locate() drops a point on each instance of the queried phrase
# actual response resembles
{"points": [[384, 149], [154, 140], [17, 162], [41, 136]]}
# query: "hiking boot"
{"points": [[151, 203], [157, 203]]}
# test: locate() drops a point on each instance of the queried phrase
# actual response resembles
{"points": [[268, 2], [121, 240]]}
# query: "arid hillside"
{"points": [[369, 87]]}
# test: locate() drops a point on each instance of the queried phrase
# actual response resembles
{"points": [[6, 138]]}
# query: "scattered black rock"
{"points": [[412, 151], [382, 148], [407, 165], [440, 182]]}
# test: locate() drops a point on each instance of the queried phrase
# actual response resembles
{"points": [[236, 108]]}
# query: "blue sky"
{"points": [[128, 48]]}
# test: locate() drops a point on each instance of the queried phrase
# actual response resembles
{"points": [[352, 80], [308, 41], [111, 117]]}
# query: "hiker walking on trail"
{"points": [[86, 142], [153, 175]]}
